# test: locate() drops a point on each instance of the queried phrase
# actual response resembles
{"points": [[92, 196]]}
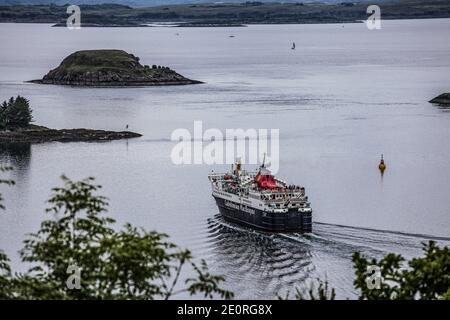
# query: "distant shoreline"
{"points": [[224, 15], [215, 26]]}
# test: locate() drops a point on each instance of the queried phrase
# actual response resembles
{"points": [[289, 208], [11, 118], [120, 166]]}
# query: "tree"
{"points": [[16, 113], [4, 115], [5, 277], [78, 255], [427, 277], [321, 292]]}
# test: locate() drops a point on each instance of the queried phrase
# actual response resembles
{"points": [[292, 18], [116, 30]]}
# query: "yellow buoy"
{"points": [[382, 165]]}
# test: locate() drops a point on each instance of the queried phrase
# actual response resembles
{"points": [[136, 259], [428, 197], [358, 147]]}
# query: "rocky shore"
{"points": [[110, 68], [39, 134]]}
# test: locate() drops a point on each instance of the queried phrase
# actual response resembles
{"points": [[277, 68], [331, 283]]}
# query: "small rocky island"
{"points": [[40, 134], [110, 68], [441, 99], [15, 127]]}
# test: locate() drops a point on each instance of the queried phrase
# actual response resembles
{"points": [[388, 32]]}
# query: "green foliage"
{"points": [[127, 264], [15, 113], [321, 292], [99, 60], [427, 277], [5, 277]]}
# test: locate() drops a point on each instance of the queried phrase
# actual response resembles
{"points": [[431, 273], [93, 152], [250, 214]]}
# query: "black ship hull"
{"points": [[292, 221]]}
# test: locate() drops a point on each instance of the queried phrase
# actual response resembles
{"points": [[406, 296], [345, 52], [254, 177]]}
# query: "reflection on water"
{"points": [[442, 107], [17, 155]]}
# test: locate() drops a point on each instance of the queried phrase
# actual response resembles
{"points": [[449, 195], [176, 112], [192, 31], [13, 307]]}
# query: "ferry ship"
{"points": [[261, 201]]}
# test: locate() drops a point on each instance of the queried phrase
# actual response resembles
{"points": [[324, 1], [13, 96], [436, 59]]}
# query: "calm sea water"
{"points": [[343, 97]]}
